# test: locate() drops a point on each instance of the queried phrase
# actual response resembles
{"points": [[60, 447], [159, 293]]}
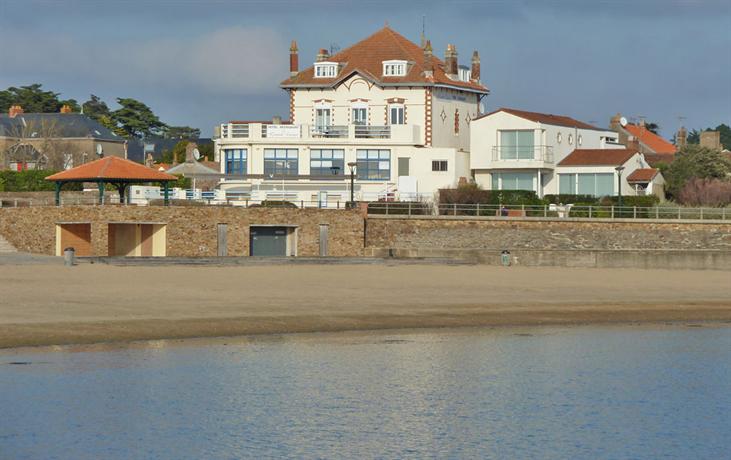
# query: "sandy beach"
{"points": [[51, 304]]}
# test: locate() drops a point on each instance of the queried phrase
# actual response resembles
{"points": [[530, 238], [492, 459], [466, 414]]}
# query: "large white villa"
{"points": [[385, 108]]}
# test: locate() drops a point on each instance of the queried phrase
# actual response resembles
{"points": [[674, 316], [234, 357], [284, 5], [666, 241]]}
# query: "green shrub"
{"points": [[569, 199], [31, 180]]}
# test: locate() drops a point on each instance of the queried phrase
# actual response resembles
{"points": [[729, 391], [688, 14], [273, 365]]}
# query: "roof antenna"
{"points": [[423, 30]]}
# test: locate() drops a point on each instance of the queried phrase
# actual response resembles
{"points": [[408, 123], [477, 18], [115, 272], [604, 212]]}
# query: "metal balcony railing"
{"points": [[372, 132], [329, 131], [523, 153]]}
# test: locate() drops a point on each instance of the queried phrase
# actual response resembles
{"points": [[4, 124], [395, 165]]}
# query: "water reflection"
{"points": [[543, 393]]}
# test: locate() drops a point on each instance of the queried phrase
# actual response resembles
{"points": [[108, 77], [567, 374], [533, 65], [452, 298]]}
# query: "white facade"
{"points": [[352, 123], [578, 180], [508, 151]]}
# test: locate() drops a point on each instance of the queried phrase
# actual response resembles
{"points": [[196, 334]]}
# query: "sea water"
{"points": [[586, 392]]}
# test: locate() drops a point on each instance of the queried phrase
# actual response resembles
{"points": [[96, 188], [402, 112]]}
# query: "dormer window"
{"points": [[394, 68], [326, 69]]}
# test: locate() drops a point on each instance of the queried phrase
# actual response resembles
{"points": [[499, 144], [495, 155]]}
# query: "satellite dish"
{"points": [[196, 154], [99, 150], [623, 121]]}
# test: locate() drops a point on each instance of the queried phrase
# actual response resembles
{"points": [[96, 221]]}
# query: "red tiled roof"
{"points": [[642, 175], [366, 58], [597, 157], [546, 118], [656, 158], [110, 168], [654, 142]]}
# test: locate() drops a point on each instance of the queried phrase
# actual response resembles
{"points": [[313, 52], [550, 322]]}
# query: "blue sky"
{"points": [[201, 62]]}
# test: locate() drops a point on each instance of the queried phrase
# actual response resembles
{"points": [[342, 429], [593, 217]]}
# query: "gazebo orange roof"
{"points": [[111, 169]]}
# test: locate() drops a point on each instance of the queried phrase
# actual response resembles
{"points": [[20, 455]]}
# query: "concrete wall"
{"points": [[544, 234], [189, 231]]}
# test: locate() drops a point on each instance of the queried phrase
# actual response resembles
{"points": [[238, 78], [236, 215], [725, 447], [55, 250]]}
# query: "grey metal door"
{"points": [[268, 241]]}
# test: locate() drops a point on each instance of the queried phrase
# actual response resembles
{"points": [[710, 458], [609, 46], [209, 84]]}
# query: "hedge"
{"points": [[31, 180]]}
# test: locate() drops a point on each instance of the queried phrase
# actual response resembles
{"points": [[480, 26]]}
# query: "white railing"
{"points": [[330, 131], [522, 153], [407, 134], [372, 132]]}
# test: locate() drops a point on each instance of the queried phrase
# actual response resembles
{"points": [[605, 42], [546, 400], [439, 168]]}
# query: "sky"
{"points": [[199, 63]]}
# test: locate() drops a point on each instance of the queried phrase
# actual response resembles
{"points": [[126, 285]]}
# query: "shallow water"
{"points": [[593, 392]]}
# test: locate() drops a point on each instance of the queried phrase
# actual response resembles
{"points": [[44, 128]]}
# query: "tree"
{"points": [[725, 131], [177, 153], [182, 132], [694, 136], [652, 127], [694, 161], [136, 119], [34, 99], [95, 108]]}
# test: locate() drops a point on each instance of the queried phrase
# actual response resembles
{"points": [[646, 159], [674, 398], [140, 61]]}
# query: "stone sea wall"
{"points": [[191, 231]]}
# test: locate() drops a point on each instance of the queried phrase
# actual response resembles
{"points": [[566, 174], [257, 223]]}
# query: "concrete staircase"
{"points": [[5, 246]]}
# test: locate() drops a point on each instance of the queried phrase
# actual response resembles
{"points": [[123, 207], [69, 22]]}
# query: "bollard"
{"points": [[69, 257], [505, 258]]}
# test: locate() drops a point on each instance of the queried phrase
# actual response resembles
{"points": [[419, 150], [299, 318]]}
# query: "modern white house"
{"points": [[601, 172], [385, 109], [514, 149]]}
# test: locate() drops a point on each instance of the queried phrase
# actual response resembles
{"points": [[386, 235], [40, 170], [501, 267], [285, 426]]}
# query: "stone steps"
{"points": [[5, 246]]}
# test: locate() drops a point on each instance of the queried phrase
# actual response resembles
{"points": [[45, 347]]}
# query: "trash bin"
{"points": [[505, 258], [69, 257]]}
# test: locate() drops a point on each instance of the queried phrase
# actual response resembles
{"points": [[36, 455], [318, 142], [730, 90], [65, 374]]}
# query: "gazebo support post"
{"points": [[101, 191], [121, 188], [166, 193], [58, 193]]}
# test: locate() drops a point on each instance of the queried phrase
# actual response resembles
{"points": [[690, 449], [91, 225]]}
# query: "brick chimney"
{"points": [[66, 109], [428, 61], [633, 143], [614, 123], [475, 66], [681, 139], [294, 60], [711, 140], [15, 110], [322, 55], [450, 61]]}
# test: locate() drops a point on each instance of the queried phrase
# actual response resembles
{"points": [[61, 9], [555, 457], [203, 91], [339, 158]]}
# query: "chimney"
{"points": [[189, 157], [711, 140], [633, 143], [475, 66], [450, 61], [294, 60], [149, 161], [322, 55], [15, 110], [66, 109], [276, 120], [428, 62], [615, 123], [681, 139]]}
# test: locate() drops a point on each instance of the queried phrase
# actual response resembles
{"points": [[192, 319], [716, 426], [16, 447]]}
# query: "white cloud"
{"points": [[234, 60]]}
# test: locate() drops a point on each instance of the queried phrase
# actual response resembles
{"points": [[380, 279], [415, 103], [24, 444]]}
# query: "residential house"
{"points": [[385, 109], [54, 140], [514, 149], [655, 148]]}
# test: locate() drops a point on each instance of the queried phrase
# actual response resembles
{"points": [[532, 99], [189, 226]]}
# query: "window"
{"points": [[516, 145], [360, 116], [514, 181], [326, 70], [394, 68], [373, 164], [322, 162], [280, 162], [322, 118], [439, 165], [396, 114], [403, 166], [594, 184], [579, 140], [235, 161], [559, 138], [571, 139]]}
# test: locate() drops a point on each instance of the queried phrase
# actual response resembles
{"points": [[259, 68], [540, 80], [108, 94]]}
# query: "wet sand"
{"points": [[51, 304]]}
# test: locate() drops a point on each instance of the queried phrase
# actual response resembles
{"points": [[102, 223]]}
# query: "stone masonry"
{"points": [[191, 231]]}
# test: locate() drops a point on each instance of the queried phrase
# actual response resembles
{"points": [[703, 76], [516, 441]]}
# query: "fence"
{"points": [[548, 211]]}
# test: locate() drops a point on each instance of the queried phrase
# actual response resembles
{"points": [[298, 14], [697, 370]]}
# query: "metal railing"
{"points": [[329, 131], [372, 132], [522, 153], [397, 208]]}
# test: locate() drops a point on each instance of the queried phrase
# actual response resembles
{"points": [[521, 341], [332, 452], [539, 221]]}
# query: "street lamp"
{"points": [[619, 170], [352, 166]]}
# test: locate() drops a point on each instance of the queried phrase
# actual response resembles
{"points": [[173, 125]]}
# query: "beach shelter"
{"points": [[111, 170]]}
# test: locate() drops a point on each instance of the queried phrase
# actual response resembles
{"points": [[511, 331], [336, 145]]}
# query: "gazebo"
{"points": [[111, 170]]}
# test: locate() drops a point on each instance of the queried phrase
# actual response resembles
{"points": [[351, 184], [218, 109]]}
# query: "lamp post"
{"points": [[352, 166], [619, 170]]}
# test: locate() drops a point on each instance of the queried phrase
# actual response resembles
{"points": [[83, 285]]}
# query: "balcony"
{"points": [[517, 157], [305, 134]]}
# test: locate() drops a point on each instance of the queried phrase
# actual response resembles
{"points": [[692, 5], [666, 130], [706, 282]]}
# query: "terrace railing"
{"points": [[523, 153]]}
